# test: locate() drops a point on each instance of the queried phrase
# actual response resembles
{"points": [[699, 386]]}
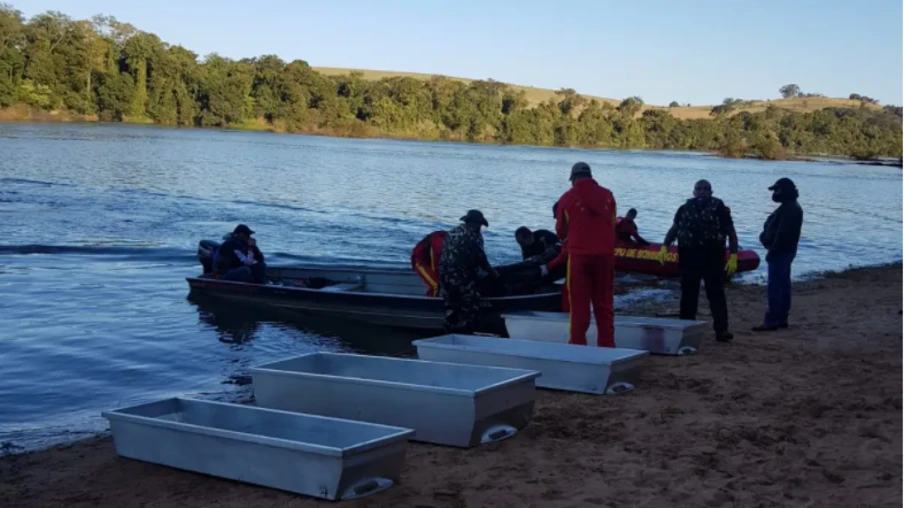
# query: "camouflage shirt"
{"points": [[463, 252], [703, 224]]}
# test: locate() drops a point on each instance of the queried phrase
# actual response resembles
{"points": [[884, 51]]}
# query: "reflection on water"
{"points": [[238, 325], [100, 224]]}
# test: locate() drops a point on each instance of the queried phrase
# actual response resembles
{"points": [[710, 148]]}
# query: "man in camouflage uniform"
{"points": [[461, 257], [701, 226]]}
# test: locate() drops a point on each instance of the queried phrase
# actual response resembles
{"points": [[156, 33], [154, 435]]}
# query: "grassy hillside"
{"points": [[55, 68], [537, 95]]}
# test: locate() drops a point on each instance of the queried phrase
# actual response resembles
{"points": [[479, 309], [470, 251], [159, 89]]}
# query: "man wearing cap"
{"points": [[701, 225], [462, 256], [780, 236], [235, 259], [585, 218]]}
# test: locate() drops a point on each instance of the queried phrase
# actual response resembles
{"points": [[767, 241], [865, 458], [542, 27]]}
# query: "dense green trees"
{"points": [[789, 91], [863, 98], [115, 72]]}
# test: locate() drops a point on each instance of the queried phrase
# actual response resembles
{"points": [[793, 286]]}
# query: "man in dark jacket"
{"points": [[780, 236], [700, 226], [462, 256], [541, 246], [235, 260]]}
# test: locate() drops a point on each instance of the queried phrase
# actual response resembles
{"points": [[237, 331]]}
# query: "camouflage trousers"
{"points": [[461, 300]]}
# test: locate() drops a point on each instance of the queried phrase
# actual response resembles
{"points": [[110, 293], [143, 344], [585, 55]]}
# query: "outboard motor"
{"points": [[207, 249]]}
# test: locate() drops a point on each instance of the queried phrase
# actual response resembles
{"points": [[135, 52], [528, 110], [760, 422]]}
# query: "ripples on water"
{"points": [[101, 223]]}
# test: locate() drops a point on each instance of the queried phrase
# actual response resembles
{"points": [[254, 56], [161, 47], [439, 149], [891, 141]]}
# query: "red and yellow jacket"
{"points": [[586, 218], [427, 252], [561, 258]]}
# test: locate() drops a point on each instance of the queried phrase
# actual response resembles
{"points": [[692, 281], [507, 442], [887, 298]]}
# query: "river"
{"points": [[100, 225]]}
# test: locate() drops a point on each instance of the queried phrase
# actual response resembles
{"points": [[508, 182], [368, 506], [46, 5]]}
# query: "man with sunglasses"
{"points": [[701, 226]]}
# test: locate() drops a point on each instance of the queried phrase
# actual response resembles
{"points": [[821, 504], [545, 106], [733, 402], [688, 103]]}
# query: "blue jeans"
{"points": [[256, 273], [778, 289]]}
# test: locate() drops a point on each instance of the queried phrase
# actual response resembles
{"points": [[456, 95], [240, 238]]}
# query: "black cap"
{"points": [[580, 169], [475, 216], [241, 228], [783, 183]]}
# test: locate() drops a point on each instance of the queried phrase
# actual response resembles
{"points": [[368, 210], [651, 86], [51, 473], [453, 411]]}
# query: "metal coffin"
{"points": [[447, 404], [657, 335], [322, 457], [586, 369]]}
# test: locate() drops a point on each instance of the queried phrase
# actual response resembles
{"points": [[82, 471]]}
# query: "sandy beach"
{"points": [[809, 416]]}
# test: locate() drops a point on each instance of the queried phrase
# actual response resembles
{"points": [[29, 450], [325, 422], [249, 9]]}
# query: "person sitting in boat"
{"points": [[540, 246], [626, 229], [236, 259], [425, 260]]}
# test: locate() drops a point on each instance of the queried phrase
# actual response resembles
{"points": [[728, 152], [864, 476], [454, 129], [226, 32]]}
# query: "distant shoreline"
{"points": [[20, 114]]}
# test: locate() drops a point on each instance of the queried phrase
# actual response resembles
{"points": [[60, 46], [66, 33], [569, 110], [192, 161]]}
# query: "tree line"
{"points": [[109, 69]]}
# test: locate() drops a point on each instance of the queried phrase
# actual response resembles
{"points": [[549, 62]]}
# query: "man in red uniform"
{"points": [[425, 260], [561, 259], [626, 229], [586, 219]]}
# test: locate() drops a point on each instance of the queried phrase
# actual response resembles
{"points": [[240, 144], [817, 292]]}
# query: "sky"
{"points": [[690, 51]]}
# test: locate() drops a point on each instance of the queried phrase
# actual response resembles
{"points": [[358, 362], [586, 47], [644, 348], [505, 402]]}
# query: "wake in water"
{"points": [[150, 253]]}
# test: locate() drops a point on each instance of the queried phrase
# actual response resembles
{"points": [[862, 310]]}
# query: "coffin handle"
{"points": [[687, 350], [366, 487], [620, 387], [498, 433]]}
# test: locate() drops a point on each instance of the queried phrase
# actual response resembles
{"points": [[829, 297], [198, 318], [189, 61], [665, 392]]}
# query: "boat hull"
{"points": [[391, 298], [642, 259]]}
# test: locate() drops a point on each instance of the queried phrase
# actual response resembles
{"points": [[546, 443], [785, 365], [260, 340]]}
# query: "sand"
{"points": [[809, 416]]}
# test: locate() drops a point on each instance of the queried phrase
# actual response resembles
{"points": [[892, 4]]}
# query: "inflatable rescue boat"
{"points": [[630, 257]]}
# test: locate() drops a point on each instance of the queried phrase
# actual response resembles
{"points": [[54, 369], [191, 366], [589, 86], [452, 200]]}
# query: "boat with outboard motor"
{"points": [[382, 297]]}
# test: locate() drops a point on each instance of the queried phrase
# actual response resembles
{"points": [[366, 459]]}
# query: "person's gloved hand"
{"points": [[731, 267], [544, 271], [663, 252]]}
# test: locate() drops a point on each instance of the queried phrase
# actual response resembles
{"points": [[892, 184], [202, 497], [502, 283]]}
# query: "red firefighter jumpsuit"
{"points": [[587, 219], [555, 263], [425, 260]]}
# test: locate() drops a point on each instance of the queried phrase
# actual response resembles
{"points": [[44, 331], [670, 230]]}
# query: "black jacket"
{"points": [[543, 241], [781, 231], [226, 258]]}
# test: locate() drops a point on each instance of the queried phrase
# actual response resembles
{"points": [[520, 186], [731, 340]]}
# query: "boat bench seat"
{"points": [[344, 287]]}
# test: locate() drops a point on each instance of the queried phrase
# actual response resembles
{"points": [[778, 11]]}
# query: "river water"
{"points": [[100, 225]]}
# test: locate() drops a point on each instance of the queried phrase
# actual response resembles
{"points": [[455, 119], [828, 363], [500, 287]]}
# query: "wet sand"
{"points": [[809, 416]]}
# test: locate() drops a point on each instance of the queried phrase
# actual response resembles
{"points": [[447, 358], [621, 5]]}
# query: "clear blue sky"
{"points": [[690, 50]]}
